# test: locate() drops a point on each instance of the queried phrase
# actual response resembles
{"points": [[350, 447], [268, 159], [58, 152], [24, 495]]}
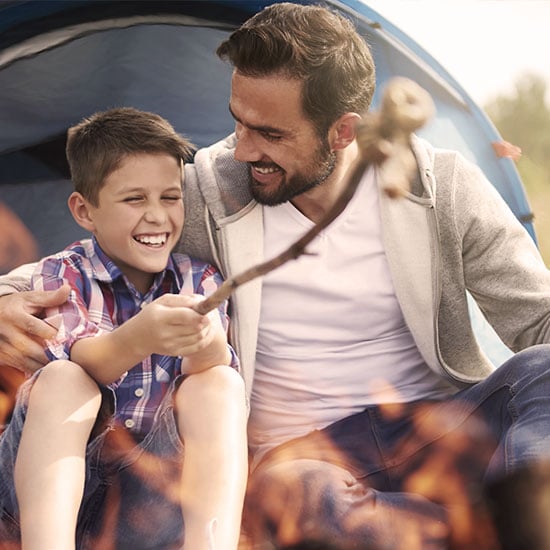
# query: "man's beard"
{"points": [[322, 167]]}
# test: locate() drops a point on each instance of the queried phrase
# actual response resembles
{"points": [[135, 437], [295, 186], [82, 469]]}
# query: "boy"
{"points": [[131, 349]]}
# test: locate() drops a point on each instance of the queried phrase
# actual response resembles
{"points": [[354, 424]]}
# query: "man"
{"points": [[374, 414]]}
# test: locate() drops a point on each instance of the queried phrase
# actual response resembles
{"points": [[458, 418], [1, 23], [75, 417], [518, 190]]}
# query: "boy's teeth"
{"points": [[151, 239]]}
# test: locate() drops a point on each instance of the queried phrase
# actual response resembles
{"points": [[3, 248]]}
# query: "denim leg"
{"points": [[138, 507], [334, 487], [10, 530], [515, 403], [306, 500], [131, 494], [149, 489], [413, 478]]}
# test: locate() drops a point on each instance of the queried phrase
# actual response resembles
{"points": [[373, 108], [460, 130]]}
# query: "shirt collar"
{"points": [[105, 270]]}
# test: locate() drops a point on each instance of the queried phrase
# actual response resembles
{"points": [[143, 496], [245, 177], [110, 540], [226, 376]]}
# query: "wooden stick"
{"points": [[294, 251], [383, 139]]}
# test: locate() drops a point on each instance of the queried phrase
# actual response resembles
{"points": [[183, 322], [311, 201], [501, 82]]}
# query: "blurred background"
{"points": [[498, 51]]}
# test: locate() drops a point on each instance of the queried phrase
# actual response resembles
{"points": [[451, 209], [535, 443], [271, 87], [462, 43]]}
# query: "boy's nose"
{"points": [[155, 214]]}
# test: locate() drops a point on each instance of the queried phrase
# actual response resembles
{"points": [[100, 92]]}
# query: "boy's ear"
{"points": [[343, 131], [80, 209]]}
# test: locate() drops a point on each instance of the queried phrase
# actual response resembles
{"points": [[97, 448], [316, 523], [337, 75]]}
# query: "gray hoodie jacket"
{"points": [[451, 235]]}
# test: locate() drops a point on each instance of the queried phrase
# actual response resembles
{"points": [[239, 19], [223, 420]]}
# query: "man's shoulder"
{"points": [[431, 157], [217, 175], [216, 160], [439, 159], [448, 166], [222, 147]]}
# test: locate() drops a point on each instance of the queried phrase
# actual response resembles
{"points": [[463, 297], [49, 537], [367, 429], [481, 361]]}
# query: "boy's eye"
{"points": [[172, 198], [133, 199]]}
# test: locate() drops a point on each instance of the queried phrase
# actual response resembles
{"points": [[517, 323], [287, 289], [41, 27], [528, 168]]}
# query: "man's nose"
{"points": [[246, 149]]}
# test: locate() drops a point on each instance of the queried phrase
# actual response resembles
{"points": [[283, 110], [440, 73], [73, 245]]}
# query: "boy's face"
{"points": [[139, 217]]}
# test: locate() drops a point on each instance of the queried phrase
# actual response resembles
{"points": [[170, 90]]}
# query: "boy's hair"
{"points": [[311, 44], [97, 145]]}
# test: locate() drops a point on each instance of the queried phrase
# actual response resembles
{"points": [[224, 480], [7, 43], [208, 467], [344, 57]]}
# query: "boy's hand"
{"points": [[166, 326], [22, 334], [170, 326]]}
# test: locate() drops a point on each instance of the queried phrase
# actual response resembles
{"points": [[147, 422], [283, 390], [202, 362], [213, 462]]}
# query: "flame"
{"points": [[450, 472], [10, 380]]}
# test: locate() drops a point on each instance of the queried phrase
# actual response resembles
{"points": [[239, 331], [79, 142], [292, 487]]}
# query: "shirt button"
{"points": [[129, 423], [138, 392]]}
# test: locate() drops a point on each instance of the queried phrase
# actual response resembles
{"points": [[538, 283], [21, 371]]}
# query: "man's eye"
{"points": [[271, 137]]}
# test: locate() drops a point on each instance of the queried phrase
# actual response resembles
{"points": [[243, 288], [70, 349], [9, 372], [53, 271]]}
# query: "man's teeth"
{"points": [[151, 239], [269, 170]]}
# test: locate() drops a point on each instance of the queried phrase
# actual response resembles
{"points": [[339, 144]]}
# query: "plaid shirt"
{"points": [[101, 299]]}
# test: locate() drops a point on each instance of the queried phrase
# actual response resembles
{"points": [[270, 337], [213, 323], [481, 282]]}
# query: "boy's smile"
{"points": [[139, 216], [152, 240]]}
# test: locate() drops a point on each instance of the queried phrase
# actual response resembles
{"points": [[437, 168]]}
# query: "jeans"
{"points": [[406, 476], [131, 497]]}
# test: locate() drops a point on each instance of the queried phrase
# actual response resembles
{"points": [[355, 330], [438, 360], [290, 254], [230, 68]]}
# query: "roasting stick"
{"points": [[383, 138]]}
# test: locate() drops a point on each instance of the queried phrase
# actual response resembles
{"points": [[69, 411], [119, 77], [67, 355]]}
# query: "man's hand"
{"points": [[22, 334]]}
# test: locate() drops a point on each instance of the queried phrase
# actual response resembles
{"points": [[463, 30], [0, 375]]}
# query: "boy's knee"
{"points": [[63, 377], [221, 383]]}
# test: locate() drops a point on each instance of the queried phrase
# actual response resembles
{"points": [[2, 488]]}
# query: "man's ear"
{"points": [[81, 210], [343, 131]]}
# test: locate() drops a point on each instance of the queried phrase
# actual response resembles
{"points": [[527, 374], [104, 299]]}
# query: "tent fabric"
{"points": [[44, 93], [63, 60]]}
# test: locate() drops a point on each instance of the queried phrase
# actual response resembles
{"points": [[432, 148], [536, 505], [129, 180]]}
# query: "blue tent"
{"points": [[62, 60]]}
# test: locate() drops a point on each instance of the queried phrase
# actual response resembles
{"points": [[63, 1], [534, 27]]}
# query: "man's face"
{"points": [[284, 151], [139, 218]]}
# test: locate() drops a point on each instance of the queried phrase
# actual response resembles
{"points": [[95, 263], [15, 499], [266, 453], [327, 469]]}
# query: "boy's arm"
{"points": [[167, 326]]}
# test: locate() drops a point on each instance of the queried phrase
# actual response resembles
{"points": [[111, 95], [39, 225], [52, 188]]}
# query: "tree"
{"points": [[523, 118]]}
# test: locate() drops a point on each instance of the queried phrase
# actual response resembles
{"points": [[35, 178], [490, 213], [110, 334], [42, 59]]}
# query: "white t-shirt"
{"points": [[332, 338]]}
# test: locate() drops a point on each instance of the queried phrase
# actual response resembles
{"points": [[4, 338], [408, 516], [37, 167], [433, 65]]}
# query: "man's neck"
{"points": [[316, 202]]}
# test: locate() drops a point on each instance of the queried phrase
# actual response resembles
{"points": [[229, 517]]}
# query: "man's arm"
{"points": [[17, 280], [503, 269], [167, 326]]}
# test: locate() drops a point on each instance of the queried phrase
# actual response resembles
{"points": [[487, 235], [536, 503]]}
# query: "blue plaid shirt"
{"points": [[101, 299]]}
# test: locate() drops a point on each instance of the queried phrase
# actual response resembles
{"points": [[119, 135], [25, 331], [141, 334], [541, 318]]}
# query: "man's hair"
{"points": [[311, 44], [97, 145]]}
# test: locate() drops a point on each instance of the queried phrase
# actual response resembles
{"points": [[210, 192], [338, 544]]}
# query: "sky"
{"points": [[486, 45]]}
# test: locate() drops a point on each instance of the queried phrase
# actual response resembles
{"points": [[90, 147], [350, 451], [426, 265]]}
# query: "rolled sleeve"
{"points": [[71, 319]]}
